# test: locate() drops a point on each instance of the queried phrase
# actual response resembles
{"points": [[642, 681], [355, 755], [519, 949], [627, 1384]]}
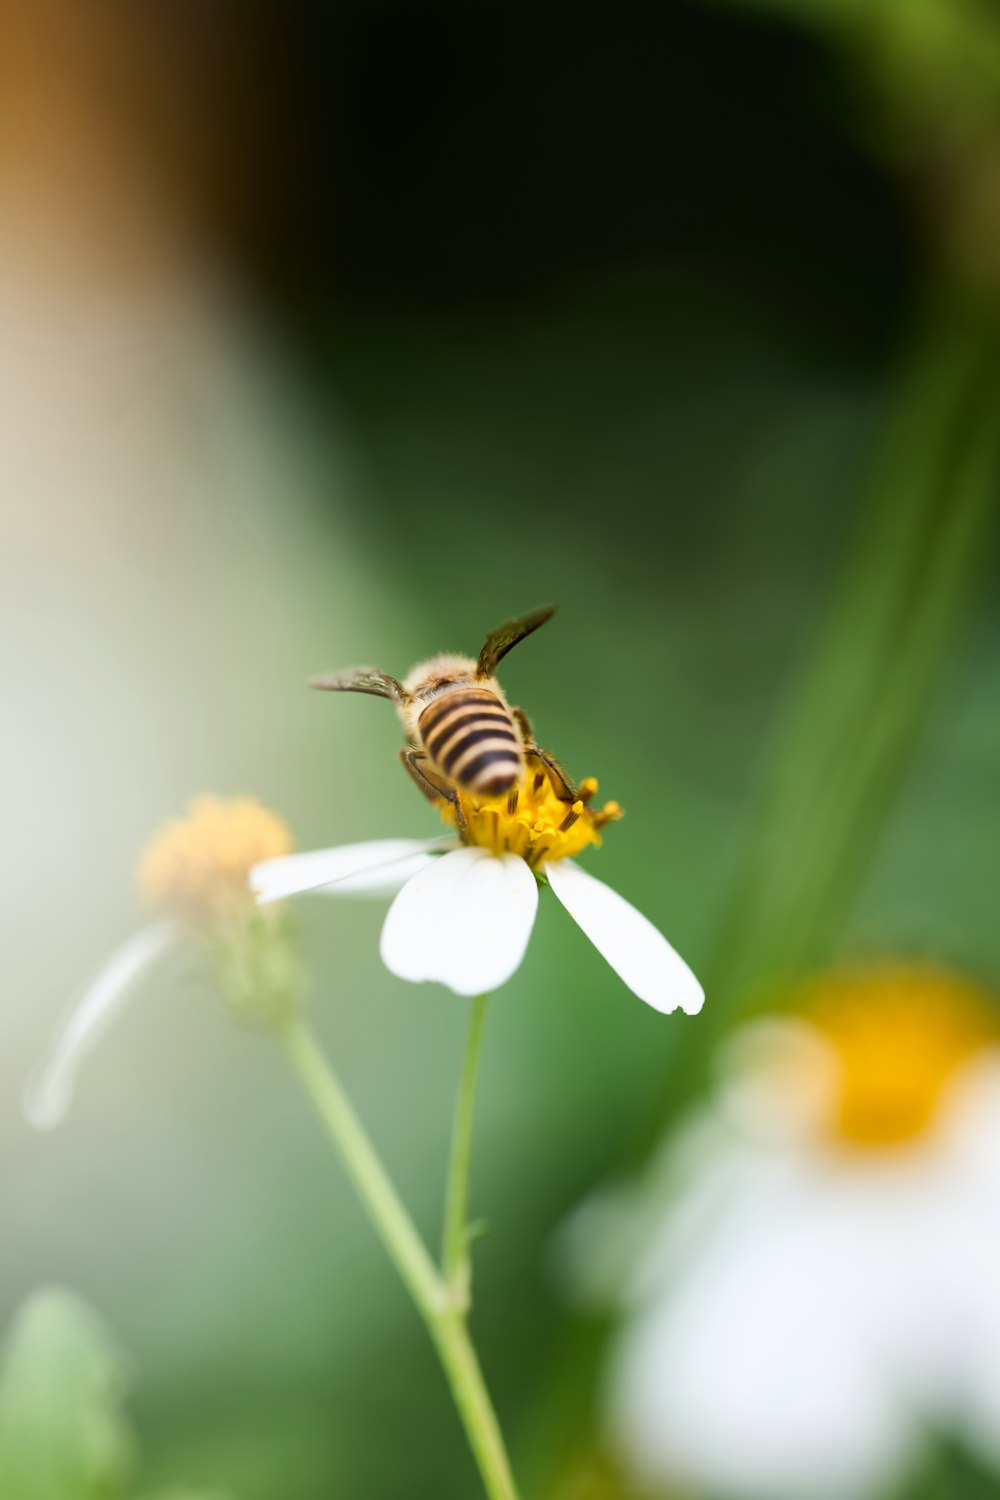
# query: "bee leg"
{"points": [[523, 724], [561, 784], [434, 789]]}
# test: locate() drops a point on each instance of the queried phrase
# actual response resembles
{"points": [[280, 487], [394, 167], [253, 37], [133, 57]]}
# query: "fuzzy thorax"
{"points": [[437, 673], [531, 820]]}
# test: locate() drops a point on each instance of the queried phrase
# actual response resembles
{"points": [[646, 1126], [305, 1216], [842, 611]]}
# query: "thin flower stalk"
{"points": [[455, 1250], [431, 1292]]}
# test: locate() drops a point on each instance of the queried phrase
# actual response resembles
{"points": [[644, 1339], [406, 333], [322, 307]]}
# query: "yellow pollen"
{"points": [[898, 1035], [531, 820], [196, 867]]}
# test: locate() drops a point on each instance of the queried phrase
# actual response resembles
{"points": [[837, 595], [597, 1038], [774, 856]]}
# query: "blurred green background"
{"points": [[341, 335]]}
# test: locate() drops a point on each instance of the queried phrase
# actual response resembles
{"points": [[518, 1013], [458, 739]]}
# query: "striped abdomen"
{"points": [[471, 739]]}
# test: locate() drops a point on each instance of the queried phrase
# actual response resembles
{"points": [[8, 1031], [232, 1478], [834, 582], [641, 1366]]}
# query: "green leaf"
{"points": [[62, 1436]]}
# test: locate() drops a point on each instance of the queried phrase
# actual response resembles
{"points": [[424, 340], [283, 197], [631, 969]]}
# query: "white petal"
{"points": [[465, 921], [379, 868], [635, 949], [49, 1090], [760, 1369]]}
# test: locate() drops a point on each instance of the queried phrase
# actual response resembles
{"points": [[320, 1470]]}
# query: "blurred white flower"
{"points": [[463, 913], [809, 1271], [194, 870]]}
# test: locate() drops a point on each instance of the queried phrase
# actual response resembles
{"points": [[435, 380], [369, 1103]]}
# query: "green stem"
{"points": [[455, 1253], [408, 1253]]}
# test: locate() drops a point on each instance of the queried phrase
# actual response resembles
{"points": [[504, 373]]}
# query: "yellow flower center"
{"points": [[196, 867], [531, 820], [898, 1035]]}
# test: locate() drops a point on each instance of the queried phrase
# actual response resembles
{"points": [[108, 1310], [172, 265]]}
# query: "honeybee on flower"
{"points": [[465, 905]]}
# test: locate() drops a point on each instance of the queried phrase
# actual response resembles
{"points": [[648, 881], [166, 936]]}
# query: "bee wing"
{"points": [[361, 680], [507, 635]]}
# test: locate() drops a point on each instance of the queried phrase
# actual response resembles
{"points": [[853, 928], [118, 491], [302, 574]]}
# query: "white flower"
{"points": [[811, 1284], [463, 913], [195, 869]]}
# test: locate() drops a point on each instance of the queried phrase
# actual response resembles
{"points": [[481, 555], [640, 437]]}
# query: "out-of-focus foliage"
{"points": [[933, 55], [63, 1434], [930, 71]]}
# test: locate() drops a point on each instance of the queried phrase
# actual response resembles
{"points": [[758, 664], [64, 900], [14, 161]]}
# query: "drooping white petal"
{"points": [[464, 921], [380, 867], [635, 949], [49, 1090]]}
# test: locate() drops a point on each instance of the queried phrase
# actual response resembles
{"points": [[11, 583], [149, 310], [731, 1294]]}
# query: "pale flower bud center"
{"points": [[196, 867]]}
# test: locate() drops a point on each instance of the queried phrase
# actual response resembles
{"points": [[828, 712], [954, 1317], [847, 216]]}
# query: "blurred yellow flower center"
{"points": [[898, 1035], [196, 867], [531, 820]]}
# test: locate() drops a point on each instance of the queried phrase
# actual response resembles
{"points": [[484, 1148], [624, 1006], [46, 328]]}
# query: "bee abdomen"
{"points": [[471, 737]]}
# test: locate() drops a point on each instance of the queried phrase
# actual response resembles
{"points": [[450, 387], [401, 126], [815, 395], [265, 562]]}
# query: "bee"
{"points": [[462, 736]]}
